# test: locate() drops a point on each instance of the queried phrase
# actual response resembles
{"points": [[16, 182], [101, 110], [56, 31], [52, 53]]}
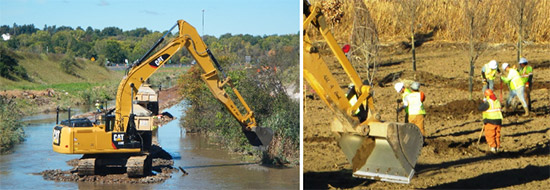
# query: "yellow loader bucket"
{"points": [[389, 153]]}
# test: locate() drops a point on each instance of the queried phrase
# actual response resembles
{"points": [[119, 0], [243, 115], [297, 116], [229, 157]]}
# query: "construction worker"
{"points": [[517, 87], [98, 106], [351, 95], [526, 73], [413, 102], [492, 120], [400, 88], [488, 73]]}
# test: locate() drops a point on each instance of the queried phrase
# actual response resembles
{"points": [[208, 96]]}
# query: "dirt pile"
{"points": [[457, 109], [162, 170]]}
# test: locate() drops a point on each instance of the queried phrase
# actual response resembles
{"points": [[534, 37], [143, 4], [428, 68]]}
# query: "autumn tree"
{"points": [[411, 8], [475, 20], [365, 42], [521, 14]]}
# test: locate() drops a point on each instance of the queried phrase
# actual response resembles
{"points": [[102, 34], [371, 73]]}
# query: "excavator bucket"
{"points": [[389, 153], [259, 136]]}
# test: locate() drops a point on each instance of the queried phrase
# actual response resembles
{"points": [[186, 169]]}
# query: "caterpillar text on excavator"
{"points": [[123, 140], [376, 150]]}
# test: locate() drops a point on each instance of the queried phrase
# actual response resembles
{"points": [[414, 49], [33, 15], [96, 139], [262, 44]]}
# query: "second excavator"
{"points": [[376, 150], [123, 140]]}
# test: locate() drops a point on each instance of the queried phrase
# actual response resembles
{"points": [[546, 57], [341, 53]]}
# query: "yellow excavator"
{"points": [[123, 140], [376, 150]]}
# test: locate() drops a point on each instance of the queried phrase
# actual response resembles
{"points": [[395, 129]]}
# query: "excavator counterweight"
{"points": [[376, 150]]}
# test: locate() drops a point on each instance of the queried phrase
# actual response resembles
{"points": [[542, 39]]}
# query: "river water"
{"points": [[209, 166]]}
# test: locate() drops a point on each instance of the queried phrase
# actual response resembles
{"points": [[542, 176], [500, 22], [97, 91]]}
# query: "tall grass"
{"points": [[445, 18]]}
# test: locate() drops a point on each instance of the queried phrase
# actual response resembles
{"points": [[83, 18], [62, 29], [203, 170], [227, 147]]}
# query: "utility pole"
{"points": [[203, 22]]}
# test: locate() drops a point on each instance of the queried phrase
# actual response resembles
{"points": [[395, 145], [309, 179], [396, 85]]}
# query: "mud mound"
{"points": [[445, 147], [71, 175], [456, 109], [162, 165]]}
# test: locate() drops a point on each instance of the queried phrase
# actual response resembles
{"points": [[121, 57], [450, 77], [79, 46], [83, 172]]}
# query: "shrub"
{"points": [[11, 128], [9, 66], [272, 108], [68, 64]]}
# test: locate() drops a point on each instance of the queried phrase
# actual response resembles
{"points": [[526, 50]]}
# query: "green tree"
{"points": [[110, 49], [111, 31]]}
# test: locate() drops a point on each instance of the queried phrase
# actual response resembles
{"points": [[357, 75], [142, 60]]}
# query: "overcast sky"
{"points": [[256, 17]]}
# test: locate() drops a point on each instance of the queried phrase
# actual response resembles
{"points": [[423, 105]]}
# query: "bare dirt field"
{"points": [[452, 159]]}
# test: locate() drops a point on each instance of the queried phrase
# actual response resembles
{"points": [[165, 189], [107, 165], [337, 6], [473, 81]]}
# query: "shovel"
{"points": [[397, 110], [480, 134]]}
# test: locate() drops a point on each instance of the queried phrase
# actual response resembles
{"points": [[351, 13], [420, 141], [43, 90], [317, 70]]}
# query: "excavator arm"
{"points": [[189, 38], [376, 149]]}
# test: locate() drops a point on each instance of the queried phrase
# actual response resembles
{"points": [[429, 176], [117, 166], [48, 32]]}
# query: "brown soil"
{"points": [[169, 97], [452, 158]]}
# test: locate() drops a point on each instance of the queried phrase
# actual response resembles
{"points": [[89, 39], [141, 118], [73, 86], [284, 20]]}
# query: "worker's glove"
{"points": [[484, 81]]}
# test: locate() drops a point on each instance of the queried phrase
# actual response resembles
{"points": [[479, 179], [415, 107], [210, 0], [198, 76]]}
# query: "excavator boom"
{"points": [[376, 150]]}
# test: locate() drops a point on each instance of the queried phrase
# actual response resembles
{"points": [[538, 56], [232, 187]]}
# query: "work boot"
{"points": [[526, 111], [493, 150]]}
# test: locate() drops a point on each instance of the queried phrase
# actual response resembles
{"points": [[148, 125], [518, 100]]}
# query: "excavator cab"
{"points": [[376, 149]]}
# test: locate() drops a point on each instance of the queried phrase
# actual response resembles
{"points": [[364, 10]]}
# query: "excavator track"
{"points": [[135, 165], [138, 166], [86, 166]]}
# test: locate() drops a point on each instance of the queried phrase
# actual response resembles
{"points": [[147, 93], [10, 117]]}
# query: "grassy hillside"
{"points": [[44, 72], [48, 86]]}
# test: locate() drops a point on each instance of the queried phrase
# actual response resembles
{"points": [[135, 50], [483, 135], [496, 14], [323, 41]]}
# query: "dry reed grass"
{"points": [[443, 17]]}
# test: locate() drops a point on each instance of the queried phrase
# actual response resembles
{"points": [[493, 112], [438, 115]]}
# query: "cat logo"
{"points": [[118, 137], [56, 135], [156, 63]]}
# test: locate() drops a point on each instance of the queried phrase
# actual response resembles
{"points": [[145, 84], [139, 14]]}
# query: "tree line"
{"points": [[114, 45]]}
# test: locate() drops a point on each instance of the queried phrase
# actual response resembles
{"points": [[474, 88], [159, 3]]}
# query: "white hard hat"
{"points": [[504, 65], [522, 60], [398, 86], [415, 85], [493, 64]]}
